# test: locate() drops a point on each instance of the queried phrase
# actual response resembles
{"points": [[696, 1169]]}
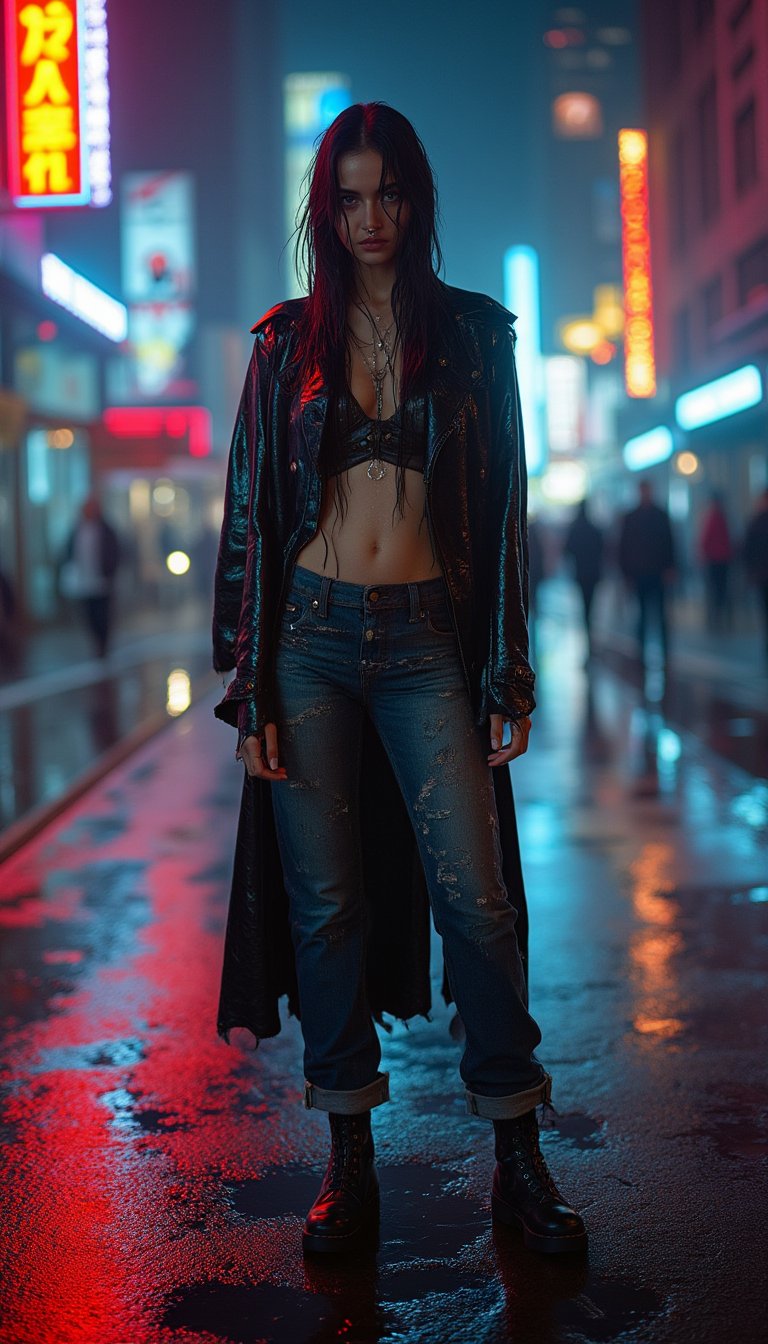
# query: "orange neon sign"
{"points": [[639, 354], [45, 149]]}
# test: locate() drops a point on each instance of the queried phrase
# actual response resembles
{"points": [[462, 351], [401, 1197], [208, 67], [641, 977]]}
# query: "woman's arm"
{"points": [[247, 557]]}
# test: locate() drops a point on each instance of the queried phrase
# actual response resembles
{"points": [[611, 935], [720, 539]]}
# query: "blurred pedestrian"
{"points": [[755, 553], [584, 546], [647, 561], [91, 560], [715, 555], [370, 590], [9, 627]]}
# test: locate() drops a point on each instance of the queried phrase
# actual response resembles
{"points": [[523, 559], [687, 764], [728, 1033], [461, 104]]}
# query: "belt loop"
{"points": [[325, 592], [308, 1096], [414, 613]]}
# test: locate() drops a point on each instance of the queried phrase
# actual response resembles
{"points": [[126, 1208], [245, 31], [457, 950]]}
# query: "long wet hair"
{"points": [[328, 268]]}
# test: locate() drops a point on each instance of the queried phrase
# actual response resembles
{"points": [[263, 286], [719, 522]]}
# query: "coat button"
{"points": [[293, 466], [475, 373], [482, 473], [442, 362]]}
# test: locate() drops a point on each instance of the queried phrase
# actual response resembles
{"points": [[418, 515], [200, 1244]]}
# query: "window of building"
{"points": [[752, 273], [745, 147], [676, 194], [681, 338], [709, 158], [743, 61], [712, 305], [739, 13], [703, 13]]}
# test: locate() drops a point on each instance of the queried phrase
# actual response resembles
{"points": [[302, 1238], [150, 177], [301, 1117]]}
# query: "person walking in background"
{"points": [[584, 546], [716, 554], [9, 627], [756, 556], [91, 561], [647, 561]]}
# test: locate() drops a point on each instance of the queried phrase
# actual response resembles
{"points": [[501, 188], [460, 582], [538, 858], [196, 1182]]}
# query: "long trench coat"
{"points": [[476, 510]]}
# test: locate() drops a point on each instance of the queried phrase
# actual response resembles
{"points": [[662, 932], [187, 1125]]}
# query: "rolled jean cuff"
{"points": [[347, 1103], [509, 1108]]}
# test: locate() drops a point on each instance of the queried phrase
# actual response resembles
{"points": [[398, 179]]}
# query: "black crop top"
{"points": [[362, 441]]}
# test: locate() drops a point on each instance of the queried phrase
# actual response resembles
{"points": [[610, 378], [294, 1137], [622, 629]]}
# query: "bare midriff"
{"points": [[373, 543]]}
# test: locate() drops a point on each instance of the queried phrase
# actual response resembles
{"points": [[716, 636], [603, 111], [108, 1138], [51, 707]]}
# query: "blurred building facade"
{"points": [[195, 92], [705, 71]]}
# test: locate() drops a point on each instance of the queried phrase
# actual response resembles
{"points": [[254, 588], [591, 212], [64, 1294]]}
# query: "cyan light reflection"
{"points": [[735, 392], [647, 450]]}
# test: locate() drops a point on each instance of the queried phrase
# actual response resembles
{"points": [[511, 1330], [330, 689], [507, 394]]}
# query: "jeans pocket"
{"points": [[295, 612], [439, 621]]}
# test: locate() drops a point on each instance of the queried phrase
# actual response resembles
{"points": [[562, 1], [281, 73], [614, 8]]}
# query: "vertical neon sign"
{"points": [[45, 143], [639, 355], [522, 296]]}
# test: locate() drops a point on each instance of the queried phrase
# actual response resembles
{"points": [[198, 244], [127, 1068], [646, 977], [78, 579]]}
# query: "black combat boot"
{"points": [[346, 1211], [524, 1193]]}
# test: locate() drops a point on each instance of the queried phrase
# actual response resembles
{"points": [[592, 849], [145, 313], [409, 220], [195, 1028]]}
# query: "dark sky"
{"points": [[464, 74]]}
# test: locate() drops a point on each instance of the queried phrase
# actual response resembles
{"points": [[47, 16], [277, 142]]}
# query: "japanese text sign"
{"points": [[46, 147]]}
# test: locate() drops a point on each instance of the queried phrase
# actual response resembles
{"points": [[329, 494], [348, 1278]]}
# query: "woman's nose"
{"points": [[373, 215]]}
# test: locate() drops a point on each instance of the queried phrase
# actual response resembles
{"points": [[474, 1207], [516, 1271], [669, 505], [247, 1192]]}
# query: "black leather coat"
{"points": [[476, 510]]}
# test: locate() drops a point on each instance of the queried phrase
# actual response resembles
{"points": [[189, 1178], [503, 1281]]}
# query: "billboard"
{"points": [[158, 265]]}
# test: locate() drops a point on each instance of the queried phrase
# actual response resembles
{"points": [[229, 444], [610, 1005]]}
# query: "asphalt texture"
{"points": [[156, 1179]]}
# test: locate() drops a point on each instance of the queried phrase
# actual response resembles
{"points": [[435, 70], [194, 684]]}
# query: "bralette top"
{"points": [[366, 438]]}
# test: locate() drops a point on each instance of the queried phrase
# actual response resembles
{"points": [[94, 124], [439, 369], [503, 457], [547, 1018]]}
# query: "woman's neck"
{"points": [[374, 291]]}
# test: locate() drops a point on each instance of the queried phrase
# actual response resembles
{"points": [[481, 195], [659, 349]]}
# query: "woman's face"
{"points": [[370, 220]]}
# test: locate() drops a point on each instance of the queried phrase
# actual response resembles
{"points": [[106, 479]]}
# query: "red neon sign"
{"points": [[45, 141], [152, 422], [639, 354]]}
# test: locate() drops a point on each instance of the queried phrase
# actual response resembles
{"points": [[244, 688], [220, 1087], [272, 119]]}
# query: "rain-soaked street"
{"points": [[156, 1179]]}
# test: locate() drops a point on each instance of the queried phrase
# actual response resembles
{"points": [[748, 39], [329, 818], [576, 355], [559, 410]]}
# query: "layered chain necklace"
{"points": [[378, 355]]}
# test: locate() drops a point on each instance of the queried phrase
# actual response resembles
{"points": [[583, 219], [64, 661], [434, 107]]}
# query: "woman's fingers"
{"points": [[520, 730], [271, 736], [258, 757]]}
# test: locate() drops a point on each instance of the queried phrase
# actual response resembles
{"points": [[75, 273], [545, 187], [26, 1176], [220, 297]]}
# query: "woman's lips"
{"points": [[373, 244]]}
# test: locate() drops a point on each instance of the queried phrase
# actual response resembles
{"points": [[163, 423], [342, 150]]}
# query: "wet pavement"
{"points": [[156, 1179], [61, 709]]}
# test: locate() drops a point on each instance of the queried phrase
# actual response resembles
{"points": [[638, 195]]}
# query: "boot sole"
{"points": [[364, 1237], [536, 1241]]}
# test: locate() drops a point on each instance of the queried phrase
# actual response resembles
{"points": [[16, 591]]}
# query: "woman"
{"points": [[371, 593]]}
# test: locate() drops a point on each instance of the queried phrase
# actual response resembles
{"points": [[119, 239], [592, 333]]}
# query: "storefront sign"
{"points": [[46, 150]]}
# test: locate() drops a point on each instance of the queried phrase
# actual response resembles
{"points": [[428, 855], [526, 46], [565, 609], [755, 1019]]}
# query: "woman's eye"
{"points": [[392, 194], [348, 201]]}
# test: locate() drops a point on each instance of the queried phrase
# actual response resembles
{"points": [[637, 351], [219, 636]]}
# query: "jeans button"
{"points": [[373, 597], [369, 635]]}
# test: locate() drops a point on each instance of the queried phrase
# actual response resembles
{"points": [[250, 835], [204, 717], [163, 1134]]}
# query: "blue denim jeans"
{"points": [[389, 652]]}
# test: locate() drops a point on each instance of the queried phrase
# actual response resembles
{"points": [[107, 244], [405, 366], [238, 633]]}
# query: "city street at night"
{"points": [[156, 1179], [383, 420]]}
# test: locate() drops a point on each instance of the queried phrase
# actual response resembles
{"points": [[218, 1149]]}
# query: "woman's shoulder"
{"points": [[468, 305], [283, 316]]}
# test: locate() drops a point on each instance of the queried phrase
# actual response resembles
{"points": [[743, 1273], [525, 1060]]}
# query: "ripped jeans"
{"points": [[390, 652]]}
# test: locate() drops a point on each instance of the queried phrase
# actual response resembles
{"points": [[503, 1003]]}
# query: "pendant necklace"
{"points": [[377, 469]]}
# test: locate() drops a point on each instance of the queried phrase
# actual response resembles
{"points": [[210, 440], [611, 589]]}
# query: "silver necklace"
{"points": [[377, 469]]}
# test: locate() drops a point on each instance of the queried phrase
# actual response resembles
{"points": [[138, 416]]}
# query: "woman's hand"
{"points": [[261, 764], [519, 728]]}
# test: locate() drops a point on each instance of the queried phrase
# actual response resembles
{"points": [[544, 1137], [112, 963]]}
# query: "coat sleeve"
{"points": [[246, 558], [509, 678]]}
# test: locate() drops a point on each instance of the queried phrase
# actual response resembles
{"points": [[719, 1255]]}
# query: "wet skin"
{"points": [[373, 544]]}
